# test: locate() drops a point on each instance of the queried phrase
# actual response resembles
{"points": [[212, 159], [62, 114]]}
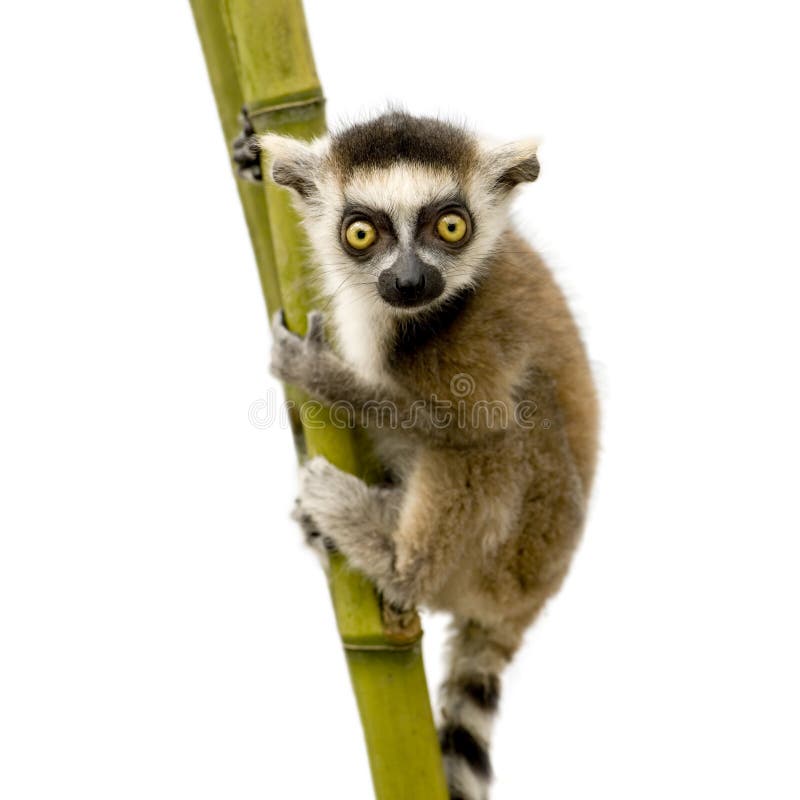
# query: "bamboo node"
{"points": [[287, 110]]}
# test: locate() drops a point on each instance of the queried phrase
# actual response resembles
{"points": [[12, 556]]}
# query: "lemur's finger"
{"points": [[246, 149], [316, 328], [252, 174], [253, 146], [279, 329], [245, 121], [280, 332]]}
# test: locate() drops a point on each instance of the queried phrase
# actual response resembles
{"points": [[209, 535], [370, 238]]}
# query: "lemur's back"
{"points": [[557, 349]]}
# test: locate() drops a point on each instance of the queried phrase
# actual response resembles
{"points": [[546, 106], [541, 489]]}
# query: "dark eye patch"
{"points": [[429, 215], [379, 220]]}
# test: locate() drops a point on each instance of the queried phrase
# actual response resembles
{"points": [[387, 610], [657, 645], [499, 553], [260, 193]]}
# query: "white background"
{"points": [[164, 634]]}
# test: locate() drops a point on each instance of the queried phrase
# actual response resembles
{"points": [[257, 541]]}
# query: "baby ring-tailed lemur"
{"points": [[443, 316]]}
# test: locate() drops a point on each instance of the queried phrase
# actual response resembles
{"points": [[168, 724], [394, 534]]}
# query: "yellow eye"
{"points": [[360, 234], [451, 227]]}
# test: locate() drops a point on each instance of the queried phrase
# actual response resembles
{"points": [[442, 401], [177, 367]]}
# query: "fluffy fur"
{"points": [[483, 511]]}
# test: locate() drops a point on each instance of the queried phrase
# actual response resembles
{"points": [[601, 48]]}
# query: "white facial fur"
{"points": [[362, 320]]}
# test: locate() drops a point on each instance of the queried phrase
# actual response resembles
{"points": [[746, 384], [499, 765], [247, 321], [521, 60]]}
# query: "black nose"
{"points": [[412, 283]]}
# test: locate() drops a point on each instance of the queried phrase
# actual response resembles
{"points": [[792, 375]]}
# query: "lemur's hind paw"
{"points": [[246, 152], [314, 538], [325, 492]]}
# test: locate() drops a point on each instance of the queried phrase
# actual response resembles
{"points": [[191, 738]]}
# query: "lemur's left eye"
{"points": [[451, 227], [360, 234]]}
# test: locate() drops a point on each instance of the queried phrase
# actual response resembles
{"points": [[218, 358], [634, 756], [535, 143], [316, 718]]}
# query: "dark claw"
{"points": [[245, 151]]}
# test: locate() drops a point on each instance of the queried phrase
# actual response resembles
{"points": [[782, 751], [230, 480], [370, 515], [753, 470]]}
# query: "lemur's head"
{"points": [[409, 206]]}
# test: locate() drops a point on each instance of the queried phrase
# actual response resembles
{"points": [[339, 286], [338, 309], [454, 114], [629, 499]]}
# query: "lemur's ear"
{"points": [[292, 163], [512, 164]]}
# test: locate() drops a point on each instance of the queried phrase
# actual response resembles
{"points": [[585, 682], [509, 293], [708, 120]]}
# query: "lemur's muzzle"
{"points": [[410, 282]]}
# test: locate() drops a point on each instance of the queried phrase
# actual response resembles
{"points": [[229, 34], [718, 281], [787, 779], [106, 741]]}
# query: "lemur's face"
{"points": [[409, 229], [401, 211]]}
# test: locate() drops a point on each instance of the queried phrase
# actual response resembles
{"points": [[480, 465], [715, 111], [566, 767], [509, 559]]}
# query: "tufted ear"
{"points": [[511, 164], [293, 163]]}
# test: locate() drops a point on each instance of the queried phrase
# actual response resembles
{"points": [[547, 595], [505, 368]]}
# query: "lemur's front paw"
{"points": [[295, 358], [246, 152]]}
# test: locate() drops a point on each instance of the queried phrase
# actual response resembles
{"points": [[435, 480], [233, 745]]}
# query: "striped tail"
{"points": [[470, 697]]}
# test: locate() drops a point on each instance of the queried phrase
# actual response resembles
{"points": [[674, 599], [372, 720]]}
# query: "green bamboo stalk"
{"points": [[215, 42], [258, 53]]}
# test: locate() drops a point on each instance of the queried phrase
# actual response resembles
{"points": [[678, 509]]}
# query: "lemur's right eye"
{"points": [[360, 234]]}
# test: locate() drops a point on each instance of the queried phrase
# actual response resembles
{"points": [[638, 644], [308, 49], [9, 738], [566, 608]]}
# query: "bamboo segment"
{"points": [[258, 53], [216, 44]]}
